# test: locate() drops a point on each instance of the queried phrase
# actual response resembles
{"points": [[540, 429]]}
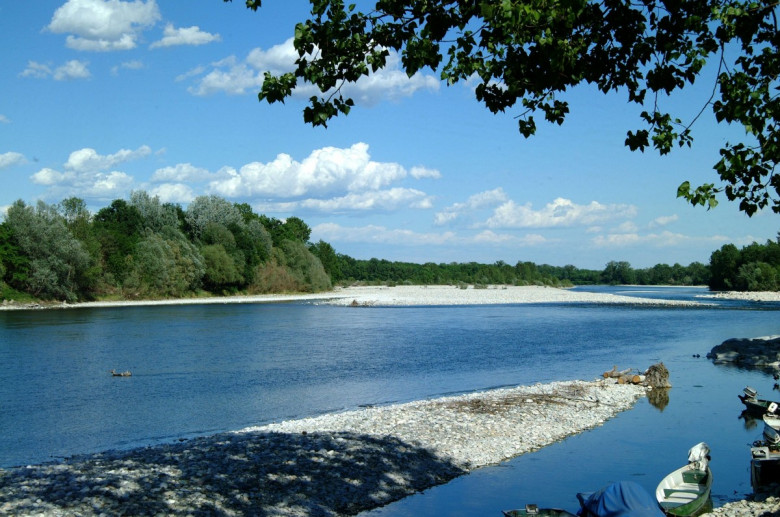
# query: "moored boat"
{"points": [[687, 490], [753, 404], [764, 466], [532, 509]]}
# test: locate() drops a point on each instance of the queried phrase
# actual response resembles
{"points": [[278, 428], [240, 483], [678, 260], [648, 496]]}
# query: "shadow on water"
{"points": [[254, 473]]}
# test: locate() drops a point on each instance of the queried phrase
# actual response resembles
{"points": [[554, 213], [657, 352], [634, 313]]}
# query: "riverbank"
{"points": [[331, 465], [395, 296]]}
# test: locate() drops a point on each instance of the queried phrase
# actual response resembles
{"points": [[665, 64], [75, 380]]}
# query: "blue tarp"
{"points": [[622, 499]]}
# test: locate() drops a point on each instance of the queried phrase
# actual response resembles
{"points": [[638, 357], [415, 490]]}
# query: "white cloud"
{"points": [[184, 36], [4, 119], [487, 199], [490, 237], [127, 65], [11, 158], [47, 176], [663, 220], [658, 240], [328, 170], [89, 175], [36, 70], [560, 213], [626, 227], [103, 25], [379, 235], [374, 200], [173, 193], [181, 172], [234, 77], [423, 172], [88, 160], [73, 69]]}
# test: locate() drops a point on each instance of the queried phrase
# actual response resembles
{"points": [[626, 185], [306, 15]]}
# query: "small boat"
{"points": [[121, 374], [754, 405], [687, 490], [532, 509], [764, 466]]}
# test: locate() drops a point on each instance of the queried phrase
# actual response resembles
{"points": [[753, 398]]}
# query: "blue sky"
{"points": [[103, 97]]}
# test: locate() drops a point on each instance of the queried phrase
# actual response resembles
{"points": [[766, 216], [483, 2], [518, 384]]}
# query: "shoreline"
{"points": [[432, 295], [332, 465]]}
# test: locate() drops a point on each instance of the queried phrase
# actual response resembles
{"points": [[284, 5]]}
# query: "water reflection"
{"points": [[658, 398]]}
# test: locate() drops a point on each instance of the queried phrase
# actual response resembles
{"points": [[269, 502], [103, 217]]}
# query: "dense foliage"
{"points": [[532, 52], [345, 269], [143, 248], [753, 268]]}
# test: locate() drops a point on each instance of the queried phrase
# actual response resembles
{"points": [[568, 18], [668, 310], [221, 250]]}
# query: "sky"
{"points": [[104, 97]]}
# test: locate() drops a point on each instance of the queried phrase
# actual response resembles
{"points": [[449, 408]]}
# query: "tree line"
{"points": [[345, 269], [753, 268], [142, 248]]}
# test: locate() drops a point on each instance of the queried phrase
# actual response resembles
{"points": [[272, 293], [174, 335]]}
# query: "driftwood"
{"points": [[614, 373], [624, 376]]}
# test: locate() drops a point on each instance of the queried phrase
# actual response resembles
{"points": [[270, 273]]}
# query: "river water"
{"points": [[201, 369]]}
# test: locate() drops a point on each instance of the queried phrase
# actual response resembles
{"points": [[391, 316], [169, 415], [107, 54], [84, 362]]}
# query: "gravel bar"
{"points": [[330, 465]]}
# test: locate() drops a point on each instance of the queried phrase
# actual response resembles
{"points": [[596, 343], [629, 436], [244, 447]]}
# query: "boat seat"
{"points": [[679, 496]]}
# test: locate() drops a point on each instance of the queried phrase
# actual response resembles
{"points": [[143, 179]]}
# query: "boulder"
{"points": [[763, 352]]}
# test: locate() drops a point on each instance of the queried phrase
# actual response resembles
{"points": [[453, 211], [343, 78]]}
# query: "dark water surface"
{"points": [[204, 369]]}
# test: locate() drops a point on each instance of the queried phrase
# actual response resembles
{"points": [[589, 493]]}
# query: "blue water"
{"points": [[207, 368]]}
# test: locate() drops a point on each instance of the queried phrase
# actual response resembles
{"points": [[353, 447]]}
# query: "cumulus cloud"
{"points": [[36, 70], [184, 36], [4, 119], [380, 235], [663, 220], [103, 25], [658, 240], [487, 199], [374, 234], [73, 69], [173, 193], [88, 174], [182, 172], [560, 213], [127, 65], [325, 171], [10, 159], [238, 77], [375, 201]]}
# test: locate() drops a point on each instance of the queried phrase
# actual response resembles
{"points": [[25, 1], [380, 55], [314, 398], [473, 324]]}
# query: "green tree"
{"points": [[618, 273], [724, 267], [118, 227], [16, 265], [327, 256], [530, 53], [155, 215], [56, 258]]}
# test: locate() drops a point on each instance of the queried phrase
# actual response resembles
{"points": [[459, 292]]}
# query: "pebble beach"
{"points": [[330, 465]]}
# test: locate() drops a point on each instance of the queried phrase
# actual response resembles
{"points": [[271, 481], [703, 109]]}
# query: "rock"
{"points": [[760, 352]]}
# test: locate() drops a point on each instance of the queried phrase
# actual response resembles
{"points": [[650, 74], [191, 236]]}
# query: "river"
{"points": [[201, 369]]}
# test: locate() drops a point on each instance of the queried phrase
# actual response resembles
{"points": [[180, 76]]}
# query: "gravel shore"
{"points": [[389, 296], [334, 464]]}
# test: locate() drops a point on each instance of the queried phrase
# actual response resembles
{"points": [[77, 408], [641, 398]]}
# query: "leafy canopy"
{"points": [[524, 54]]}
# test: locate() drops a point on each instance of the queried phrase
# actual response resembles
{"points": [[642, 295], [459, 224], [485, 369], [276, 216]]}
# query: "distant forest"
{"points": [[145, 249]]}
